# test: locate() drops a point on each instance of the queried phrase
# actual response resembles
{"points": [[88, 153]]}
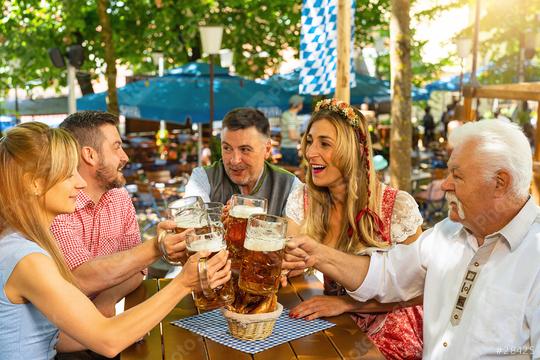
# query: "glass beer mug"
{"points": [[189, 212], [241, 208], [263, 254], [214, 210], [212, 241]]}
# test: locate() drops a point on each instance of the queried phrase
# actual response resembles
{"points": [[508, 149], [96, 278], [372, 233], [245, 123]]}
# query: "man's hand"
{"points": [[225, 214], [320, 306], [173, 244]]}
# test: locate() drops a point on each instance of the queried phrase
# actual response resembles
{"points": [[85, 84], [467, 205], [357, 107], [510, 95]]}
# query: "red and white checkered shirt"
{"points": [[93, 230]]}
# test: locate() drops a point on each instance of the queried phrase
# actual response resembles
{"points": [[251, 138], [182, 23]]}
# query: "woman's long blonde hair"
{"points": [[29, 153], [352, 160]]}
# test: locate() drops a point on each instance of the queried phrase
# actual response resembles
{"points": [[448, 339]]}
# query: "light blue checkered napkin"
{"points": [[213, 325]]}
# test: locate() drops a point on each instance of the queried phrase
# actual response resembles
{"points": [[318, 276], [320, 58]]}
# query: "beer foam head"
{"points": [[244, 211], [212, 244], [264, 244]]}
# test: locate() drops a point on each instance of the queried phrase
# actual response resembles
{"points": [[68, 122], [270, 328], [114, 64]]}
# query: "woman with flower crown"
{"points": [[343, 205]]}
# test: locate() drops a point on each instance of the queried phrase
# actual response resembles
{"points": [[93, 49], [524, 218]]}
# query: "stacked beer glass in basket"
{"points": [[256, 244]]}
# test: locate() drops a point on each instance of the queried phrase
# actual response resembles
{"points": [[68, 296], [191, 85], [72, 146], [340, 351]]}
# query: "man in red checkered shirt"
{"points": [[100, 240]]}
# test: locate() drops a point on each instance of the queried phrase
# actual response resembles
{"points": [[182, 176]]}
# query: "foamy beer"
{"points": [[241, 208], [213, 242], [263, 254], [189, 212]]}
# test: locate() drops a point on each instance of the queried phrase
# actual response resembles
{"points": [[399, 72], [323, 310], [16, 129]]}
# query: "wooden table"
{"points": [[166, 341]]}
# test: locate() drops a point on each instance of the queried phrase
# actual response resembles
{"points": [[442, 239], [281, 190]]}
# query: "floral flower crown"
{"points": [[342, 108]]}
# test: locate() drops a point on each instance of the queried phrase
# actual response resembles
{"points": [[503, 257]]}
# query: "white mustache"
{"points": [[452, 198]]}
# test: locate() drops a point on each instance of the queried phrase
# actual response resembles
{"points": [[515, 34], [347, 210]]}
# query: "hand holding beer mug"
{"points": [[210, 241], [263, 254], [218, 271], [188, 212], [241, 208]]}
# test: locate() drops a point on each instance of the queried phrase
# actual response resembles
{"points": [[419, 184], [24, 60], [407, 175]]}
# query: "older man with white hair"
{"points": [[479, 269]]}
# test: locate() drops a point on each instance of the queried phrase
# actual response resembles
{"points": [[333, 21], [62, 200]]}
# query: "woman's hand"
{"points": [[218, 270], [320, 306], [300, 253]]}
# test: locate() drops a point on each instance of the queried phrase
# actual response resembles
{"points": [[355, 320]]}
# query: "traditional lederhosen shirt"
{"points": [[479, 301], [212, 184]]}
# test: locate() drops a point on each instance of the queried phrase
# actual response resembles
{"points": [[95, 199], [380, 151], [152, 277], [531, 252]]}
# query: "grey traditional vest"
{"points": [[275, 185]]}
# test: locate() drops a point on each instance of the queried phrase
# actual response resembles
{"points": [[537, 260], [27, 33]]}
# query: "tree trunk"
{"points": [[110, 58], [400, 65]]}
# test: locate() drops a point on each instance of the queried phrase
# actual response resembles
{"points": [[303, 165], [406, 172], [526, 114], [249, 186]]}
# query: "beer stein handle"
{"points": [[203, 279]]}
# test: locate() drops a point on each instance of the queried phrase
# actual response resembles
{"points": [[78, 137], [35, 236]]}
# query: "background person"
{"points": [[38, 181], [346, 207], [290, 134], [429, 127]]}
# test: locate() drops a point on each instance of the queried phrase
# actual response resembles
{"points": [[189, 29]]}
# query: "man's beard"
{"points": [[451, 197], [109, 180]]}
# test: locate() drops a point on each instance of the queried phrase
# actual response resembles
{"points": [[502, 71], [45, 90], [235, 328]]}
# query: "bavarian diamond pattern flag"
{"points": [[318, 47]]}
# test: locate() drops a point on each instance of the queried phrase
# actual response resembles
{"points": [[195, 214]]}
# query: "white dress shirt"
{"points": [[500, 315]]}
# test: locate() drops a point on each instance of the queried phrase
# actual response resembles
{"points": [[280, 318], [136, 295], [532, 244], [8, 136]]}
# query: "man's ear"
{"points": [[89, 156], [503, 183], [268, 148]]}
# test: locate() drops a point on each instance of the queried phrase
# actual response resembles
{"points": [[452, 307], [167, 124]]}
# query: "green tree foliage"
{"points": [[502, 26], [27, 30], [255, 31]]}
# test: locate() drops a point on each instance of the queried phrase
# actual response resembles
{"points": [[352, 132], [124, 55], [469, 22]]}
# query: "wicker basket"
{"points": [[252, 326]]}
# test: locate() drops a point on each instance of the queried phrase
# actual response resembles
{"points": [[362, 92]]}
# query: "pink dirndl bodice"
{"points": [[397, 334]]}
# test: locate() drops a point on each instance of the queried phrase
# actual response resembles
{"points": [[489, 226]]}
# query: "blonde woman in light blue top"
{"points": [[41, 309]]}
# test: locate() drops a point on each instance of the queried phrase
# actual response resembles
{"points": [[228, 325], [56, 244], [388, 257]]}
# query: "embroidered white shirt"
{"points": [[501, 316]]}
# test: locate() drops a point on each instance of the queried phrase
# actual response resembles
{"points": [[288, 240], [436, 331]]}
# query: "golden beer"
{"points": [[222, 295], [236, 231], [261, 265]]}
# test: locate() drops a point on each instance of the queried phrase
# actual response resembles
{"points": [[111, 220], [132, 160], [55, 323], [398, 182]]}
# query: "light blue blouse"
{"points": [[25, 333]]}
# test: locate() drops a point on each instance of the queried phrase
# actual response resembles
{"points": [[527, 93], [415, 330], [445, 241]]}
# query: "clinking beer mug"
{"points": [[212, 241], [263, 254], [214, 210], [189, 212], [242, 207]]}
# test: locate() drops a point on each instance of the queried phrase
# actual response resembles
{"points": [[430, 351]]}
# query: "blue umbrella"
{"points": [[184, 93], [447, 84], [367, 90]]}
